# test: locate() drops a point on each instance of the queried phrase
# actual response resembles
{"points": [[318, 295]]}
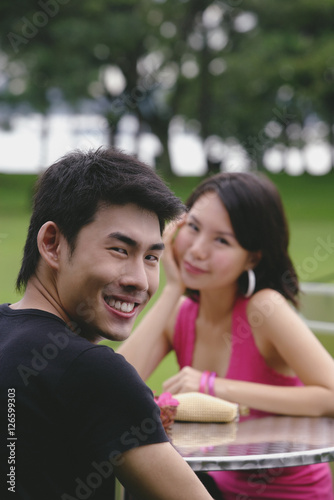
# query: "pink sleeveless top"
{"points": [[309, 482]]}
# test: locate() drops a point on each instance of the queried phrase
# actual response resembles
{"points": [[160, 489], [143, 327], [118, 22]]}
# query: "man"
{"points": [[78, 414]]}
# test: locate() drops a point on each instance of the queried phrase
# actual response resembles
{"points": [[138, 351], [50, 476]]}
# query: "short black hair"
{"points": [[71, 190]]}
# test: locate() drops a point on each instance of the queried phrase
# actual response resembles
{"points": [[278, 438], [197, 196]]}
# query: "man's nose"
{"points": [[135, 276]]}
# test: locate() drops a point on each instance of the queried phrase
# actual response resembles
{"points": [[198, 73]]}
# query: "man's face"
{"points": [[112, 273]]}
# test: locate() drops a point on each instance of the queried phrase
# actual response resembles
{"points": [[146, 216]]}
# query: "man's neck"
{"points": [[37, 296]]}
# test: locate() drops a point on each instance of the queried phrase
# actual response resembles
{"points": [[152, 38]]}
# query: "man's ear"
{"points": [[48, 239]]}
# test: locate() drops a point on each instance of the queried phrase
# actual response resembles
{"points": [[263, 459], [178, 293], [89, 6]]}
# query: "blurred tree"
{"points": [[279, 77], [243, 70]]}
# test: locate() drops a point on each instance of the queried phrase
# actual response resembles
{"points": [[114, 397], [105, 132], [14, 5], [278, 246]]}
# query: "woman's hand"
{"points": [[186, 380], [169, 261]]}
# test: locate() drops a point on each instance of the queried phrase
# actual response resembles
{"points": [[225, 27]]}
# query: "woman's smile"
{"points": [[190, 268]]}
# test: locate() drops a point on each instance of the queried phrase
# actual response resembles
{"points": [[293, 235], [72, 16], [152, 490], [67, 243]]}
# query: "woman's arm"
{"points": [[278, 326], [150, 341], [282, 334]]}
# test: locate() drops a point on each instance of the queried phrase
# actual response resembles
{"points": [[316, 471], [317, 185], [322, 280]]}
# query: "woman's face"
{"points": [[206, 248]]}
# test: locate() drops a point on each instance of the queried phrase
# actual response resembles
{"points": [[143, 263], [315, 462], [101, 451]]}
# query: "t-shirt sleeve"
{"points": [[107, 406]]}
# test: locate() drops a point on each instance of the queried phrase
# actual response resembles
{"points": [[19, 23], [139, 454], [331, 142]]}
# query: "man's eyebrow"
{"points": [[157, 246], [133, 243]]}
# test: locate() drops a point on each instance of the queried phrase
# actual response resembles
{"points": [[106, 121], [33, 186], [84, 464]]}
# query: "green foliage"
{"points": [[175, 62]]}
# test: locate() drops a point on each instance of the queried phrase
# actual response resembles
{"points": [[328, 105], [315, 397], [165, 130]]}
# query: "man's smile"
{"points": [[120, 305]]}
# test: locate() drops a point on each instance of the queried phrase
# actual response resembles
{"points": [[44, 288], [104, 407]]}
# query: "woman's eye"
{"points": [[223, 241], [192, 226]]}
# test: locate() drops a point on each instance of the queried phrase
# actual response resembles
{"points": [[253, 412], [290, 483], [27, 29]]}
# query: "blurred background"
{"points": [[192, 87]]}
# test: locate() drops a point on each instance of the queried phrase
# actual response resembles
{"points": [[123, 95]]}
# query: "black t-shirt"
{"points": [[78, 406]]}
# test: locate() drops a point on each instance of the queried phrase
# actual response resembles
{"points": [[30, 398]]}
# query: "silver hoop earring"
{"points": [[251, 283]]}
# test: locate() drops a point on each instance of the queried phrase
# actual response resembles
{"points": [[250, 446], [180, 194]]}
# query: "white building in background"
{"points": [[22, 149]]}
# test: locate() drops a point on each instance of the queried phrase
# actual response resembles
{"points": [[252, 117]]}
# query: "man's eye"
{"points": [[152, 258], [118, 250]]}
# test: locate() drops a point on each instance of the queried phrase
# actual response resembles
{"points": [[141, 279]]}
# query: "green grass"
{"points": [[309, 204], [15, 206]]}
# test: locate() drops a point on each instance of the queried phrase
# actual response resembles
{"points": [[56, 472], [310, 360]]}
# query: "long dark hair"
{"points": [[71, 190], [259, 223]]}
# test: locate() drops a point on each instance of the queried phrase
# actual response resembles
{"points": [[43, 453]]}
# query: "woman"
{"points": [[234, 331]]}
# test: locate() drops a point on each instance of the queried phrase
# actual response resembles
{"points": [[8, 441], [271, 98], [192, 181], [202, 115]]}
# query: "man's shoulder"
{"points": [[27, 316], [101, 360], [38, 325]]}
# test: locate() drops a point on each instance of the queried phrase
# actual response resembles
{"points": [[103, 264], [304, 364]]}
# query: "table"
{"points": [[253, 443], [260, 443]]}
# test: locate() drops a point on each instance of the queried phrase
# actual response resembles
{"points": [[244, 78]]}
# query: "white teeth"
{"points": [[121, 306]]}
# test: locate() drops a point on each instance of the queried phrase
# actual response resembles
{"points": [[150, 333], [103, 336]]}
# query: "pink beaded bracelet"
{"points": [[211, 382], [203, 381]]}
